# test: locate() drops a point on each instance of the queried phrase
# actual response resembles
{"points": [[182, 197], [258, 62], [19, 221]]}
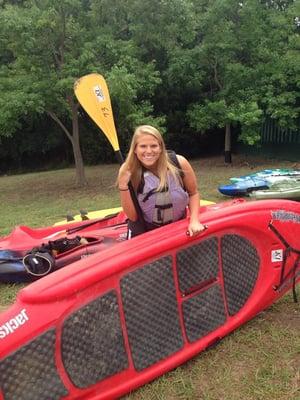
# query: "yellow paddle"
{"points": [[93, 95]]}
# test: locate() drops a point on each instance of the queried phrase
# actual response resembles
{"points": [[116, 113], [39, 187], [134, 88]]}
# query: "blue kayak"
{"points": [[268, 174], [262, 180], [244, 187]]}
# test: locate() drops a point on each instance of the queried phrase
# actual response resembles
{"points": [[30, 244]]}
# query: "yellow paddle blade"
{"points": [[93, 95]]}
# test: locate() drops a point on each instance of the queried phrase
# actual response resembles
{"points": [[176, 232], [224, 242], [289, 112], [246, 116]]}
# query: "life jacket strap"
{"points": [[164, 206]]}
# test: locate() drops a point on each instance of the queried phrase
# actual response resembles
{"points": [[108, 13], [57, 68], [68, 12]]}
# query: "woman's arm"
{"points": [[125, 197], [190, 183]]}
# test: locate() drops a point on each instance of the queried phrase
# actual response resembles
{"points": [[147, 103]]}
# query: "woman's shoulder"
{"points": [[185, 165], [182, 160], [175, 158]]}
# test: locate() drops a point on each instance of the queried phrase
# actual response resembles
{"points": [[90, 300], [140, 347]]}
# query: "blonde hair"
{"points": [[164, 164]]}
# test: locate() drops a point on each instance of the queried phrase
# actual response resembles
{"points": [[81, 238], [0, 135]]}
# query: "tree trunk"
{"points": [[80, 174], [74, 139], [227, 143]]}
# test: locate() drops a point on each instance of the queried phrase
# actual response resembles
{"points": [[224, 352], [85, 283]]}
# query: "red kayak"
{"points": [[28, 254], [108, 323]]}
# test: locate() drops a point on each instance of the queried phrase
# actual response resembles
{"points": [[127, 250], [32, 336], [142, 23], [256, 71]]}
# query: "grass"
{"points": [[261, 360]]}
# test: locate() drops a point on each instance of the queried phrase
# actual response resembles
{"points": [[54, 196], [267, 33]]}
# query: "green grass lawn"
{"points": [[259, 361]]}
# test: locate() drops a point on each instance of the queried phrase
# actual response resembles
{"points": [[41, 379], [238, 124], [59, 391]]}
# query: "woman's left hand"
{"points": [[195, 227]]}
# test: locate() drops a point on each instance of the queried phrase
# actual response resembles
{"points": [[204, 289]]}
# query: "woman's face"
{"points": [[148, 150]]}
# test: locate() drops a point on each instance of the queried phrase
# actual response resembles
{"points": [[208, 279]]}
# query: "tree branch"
{"points": [[74, 105], [216, 76], [59, 122]]}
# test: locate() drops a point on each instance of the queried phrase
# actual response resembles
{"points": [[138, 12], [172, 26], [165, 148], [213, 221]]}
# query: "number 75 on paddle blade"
{"points": [[93, 95]]}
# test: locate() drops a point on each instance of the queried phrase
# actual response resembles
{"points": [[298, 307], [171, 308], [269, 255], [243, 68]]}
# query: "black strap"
{"points": [[173, 157], [164, 206], [90, 223], [148, 195], [296, 265], [282, 239], [292, 274]]}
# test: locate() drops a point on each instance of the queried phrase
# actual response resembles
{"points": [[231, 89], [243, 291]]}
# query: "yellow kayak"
{"points": [[105, 213]]}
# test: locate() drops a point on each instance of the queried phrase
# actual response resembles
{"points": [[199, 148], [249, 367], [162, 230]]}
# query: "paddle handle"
{"points": [[119, 157]]}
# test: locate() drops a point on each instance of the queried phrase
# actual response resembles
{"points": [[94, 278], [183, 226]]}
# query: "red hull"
{"points": [[110, 323]]}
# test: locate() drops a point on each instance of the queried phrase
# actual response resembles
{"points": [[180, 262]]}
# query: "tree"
{"points": [[280, 92], [49, 46], [229, 33], [68, 39], [162, 31], [242, 51], [182, 65]]}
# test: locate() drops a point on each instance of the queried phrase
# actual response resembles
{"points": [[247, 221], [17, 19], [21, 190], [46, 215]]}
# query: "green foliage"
{"points": [[203, 117], [45, 39], [131, 97], [251, 67], [280, 96], [215, 114], [184, 66]]}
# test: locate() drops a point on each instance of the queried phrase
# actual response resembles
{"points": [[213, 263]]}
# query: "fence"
{"points": [[272, 133]]}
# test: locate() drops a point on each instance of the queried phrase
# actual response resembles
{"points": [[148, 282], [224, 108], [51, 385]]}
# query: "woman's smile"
{"points": [[148, 150]]}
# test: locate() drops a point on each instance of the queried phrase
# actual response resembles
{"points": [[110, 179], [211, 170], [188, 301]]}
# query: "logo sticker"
{"points": [[99, 93], [277, 255], [13, 324], [286, 216]]}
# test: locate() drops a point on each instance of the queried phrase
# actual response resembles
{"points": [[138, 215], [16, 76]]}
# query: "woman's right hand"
{"points": [[124, 177], [126, 199]]}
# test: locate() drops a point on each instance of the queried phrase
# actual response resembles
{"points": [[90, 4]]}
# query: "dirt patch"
{"points": [[285, 313], [289, 320]]}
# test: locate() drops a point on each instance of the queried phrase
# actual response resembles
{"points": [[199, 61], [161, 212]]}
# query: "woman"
{"points": [[163, 190]]}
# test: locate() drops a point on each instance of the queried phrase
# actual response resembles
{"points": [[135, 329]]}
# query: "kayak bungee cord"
{"points": [[291, 275]]}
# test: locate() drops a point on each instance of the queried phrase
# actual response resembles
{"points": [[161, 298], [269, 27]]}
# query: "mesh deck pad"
{"points": [[203, 313], [240, 269], [92, 342], [197, 264], [30, 372], [151, 313]]}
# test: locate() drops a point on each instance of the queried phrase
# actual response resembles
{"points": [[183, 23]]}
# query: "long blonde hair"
{"points": [[164, 164]]}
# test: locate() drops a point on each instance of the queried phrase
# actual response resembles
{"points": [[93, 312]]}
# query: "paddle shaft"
{"points": [[137, 207]]}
